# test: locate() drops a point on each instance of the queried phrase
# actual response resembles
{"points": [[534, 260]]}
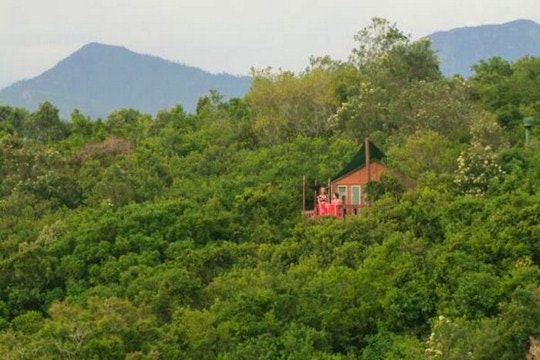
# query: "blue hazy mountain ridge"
{"points": [[98, 78], [459, 49]]}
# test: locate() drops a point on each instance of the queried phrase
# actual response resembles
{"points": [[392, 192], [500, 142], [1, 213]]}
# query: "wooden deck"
{"points": [[337, 211]]}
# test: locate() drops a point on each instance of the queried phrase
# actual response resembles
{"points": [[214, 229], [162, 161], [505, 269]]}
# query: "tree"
{"points": [[424, 153], [44, 125], [374, 40], [81, 125], [398, 80], [128, 124], [286, 105], [508, 90], [12, 120]]}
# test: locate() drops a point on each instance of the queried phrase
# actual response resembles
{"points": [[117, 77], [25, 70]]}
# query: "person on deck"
{"points": [[336, 200], [337, 205], [322, 202]]}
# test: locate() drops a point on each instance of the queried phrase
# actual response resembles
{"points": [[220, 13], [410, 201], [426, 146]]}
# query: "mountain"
{"points": [[459, 49], [98, 78]]}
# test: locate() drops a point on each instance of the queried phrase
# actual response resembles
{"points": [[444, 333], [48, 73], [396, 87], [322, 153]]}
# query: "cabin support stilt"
{"points": [[304, 193]]}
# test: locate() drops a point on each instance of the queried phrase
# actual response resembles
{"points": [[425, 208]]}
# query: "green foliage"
{"points": [[12, 120], [510, 91], [375, 40], [45, 125], [286, 105], [388, 184], [386, 345], [180, 236]]}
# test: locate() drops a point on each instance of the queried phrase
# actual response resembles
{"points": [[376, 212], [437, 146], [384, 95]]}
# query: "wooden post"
{"points": [[315, 205], [314, 199], [329, 190], [304, 193], [368, 160], [368, 167]]}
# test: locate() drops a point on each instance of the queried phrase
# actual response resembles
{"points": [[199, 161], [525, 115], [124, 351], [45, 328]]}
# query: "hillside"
{"points": [[99, 78], [181, 236], [459, 49]]}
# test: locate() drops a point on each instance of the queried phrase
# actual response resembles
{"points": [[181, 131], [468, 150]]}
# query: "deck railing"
{"points": [[338, 211]]}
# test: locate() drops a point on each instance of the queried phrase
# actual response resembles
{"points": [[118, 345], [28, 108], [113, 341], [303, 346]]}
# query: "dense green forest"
{"points": [[180, 236]]}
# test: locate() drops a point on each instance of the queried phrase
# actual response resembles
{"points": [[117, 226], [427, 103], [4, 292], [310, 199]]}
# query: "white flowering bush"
{"points": [[435, 345], [477, 167], [485, 131]]}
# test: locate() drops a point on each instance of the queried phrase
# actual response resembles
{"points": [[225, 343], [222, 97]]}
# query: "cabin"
{"points": [[350, 184]]}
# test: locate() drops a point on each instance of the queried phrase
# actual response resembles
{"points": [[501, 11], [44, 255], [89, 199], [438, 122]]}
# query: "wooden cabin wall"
{"points": [[359, 177]]}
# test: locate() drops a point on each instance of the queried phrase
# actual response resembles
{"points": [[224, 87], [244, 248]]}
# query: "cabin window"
{"points": [[355, 194], [342, 191]]}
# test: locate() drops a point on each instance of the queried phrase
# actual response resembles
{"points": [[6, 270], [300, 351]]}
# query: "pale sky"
{"points": [[223, 35]]}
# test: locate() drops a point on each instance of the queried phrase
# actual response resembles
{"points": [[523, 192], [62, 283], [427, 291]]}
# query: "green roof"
{"points": [[359, 160]]}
